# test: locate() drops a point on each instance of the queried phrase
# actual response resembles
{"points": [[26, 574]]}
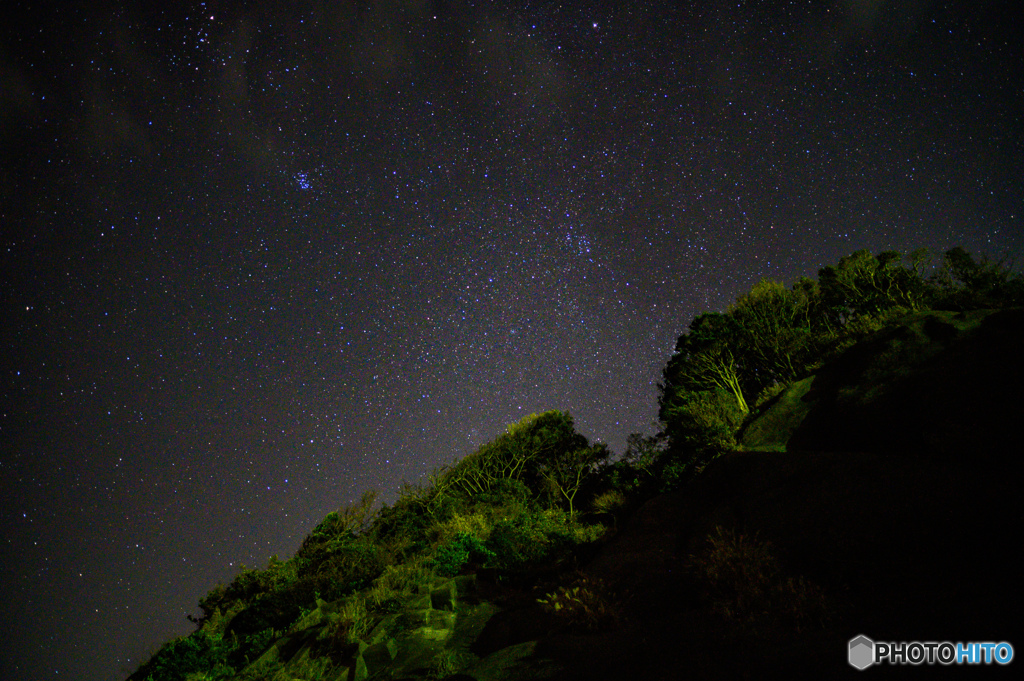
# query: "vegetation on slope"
{"points": [[730, 366], [534, 498]]}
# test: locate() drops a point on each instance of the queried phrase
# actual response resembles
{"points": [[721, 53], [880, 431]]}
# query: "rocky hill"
{"points": [[877, 496]]}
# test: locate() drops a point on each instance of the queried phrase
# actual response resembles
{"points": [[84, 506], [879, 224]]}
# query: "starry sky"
{"points": [[258, 257]]}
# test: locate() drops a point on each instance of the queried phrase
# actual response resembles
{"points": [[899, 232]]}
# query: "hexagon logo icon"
{"points": [[862, 652]]}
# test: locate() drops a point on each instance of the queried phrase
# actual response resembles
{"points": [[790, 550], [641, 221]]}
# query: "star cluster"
{"points": [[258, 259]]}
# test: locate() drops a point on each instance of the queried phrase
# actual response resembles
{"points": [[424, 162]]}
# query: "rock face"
{"points": [[431, 636], [936, 383]]}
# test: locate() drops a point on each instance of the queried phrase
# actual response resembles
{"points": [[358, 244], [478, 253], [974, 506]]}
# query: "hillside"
{"points": [[884, 512], [835, 459]]}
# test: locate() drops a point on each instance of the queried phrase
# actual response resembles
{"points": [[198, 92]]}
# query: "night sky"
{"points": [[258, 257]]}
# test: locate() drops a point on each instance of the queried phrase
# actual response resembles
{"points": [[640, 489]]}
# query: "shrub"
{"points": [[268, 669], [527, 539], [356, 618], [745, 584], [394, 583], [408, 517], [474, 524], [275, 610], [404, 578], [187, 655], [709, 421], [254, 645], [611, 502], [769, 393], [444, 664], [450, 558], [217, 623], [636, 469], [507, 491], [348, 520], [350, 623], [584, 604]]}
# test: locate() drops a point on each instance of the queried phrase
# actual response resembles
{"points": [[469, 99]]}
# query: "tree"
{"points": [[517, 454], [704, 359], [567, 471], [863, 284], [702, 397], [716, 366], [772, 326], [965, 283]]}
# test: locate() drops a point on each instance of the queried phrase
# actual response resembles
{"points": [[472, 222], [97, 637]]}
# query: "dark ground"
{"points": [[901, 501]]}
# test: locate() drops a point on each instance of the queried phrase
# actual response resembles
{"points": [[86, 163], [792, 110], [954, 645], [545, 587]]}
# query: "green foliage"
{"points": [[772, 331], [346, 521], [476, 522], [609, 502], [253, 645], [487, 508], [187, 655], [567, 472], [339, 542], [272, 610], [631, 475], [642, 453], [769, 393], [262, 671], [700, 426], [518, 455], [395, 583], [246, 588], [745, 584], [964, 283], [505, 492], [528, 539], [352, 622], [361, 546], [865, 284], [584, 604], [407, 519], [450, 558], [772, 336], [705, 358], [445, 663]]}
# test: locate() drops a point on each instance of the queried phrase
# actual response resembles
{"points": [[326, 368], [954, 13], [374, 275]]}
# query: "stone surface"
{"points": [[514, 663], [379, 655], [443, 598]]}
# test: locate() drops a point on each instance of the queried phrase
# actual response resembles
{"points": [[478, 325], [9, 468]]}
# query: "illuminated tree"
{"points": [[704, 358], [520, 454], [565, 473], [865, 284]]}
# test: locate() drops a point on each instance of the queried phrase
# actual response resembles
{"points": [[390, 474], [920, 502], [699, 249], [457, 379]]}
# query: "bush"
{"points": [[396, 582], [583, 604], [270, 611], [355, 619], [445, 663], [611, 502], [475, 524], [527, 539], [181, 657], [450, 558], [745, 584], [507, 491], [252, 646]]}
